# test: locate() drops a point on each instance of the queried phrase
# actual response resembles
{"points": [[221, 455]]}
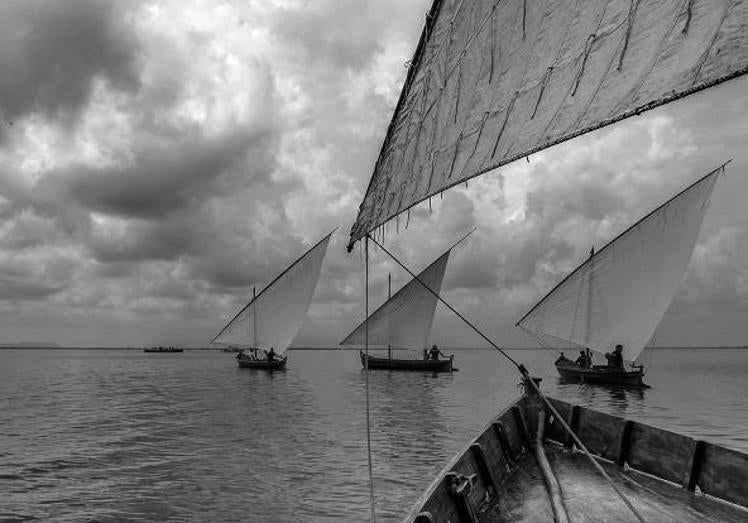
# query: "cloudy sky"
{"points": [[158, 158]]}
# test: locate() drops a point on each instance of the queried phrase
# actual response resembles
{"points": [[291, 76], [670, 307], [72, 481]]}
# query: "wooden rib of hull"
{"points": [[246, 363], [573, 372], [376, 363], [497, 477]]}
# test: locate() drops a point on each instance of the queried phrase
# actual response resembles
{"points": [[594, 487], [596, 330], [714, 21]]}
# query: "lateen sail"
{"points": [[620, 293], [404, 321], [275, 315], [495, 80]]}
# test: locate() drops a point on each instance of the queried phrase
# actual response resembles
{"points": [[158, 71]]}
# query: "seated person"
{"points": [[582, 360], [434, 353]]}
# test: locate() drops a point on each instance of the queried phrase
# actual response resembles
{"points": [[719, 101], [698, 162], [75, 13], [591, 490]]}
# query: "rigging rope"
{"points": [[525, 374], [366, 373], [366, 380]]}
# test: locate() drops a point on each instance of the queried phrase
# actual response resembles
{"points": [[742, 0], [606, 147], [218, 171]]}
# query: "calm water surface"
{"points": [[123, 435]]}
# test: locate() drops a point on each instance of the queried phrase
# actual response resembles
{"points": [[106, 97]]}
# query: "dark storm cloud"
{"points": [[34, 276], [166, 178], [53, 50]]}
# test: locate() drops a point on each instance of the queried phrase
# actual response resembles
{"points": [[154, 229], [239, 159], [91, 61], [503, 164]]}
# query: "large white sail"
{"points": [[273, 318], [492, 81], [619, 295], [404, 321]]}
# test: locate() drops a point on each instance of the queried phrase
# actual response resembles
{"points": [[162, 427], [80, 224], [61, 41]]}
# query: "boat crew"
{"points": [[434, 353], [271, 355], [583, 360]]}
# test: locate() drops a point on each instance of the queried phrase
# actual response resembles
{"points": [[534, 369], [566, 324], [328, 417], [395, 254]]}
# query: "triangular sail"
{"points": [[492, 81], [273, 318], [404, 321], [619, 295]]}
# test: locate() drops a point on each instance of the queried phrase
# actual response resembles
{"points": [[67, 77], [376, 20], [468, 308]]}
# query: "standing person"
{"points": [[616, 361], [271, 355]]}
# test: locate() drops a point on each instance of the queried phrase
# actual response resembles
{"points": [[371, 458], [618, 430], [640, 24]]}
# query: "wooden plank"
{"points": [[517, 443], [553, 428], [624, 443], [494, 454], [724, 474], [574, 425], [661, 453], [460, 488], [441, 505], [467, 466], [503, 440], [599, 432]]}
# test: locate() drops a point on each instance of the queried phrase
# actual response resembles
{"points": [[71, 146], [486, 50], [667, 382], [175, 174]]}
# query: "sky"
{"points": [[158, 159]]}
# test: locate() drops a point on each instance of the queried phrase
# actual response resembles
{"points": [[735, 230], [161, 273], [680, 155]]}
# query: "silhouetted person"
{"points": [[434, 353], [425, 354], [271, 355], [616, 359], [562, 359], [582, 360]]}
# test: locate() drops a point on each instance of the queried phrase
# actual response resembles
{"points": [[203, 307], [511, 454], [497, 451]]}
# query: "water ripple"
{"points": [[123, 435]]}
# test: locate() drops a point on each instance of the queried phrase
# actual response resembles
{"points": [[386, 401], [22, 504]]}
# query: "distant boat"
{"points": [[163, 349], [618, 296], [264, 328], [404, 322]]}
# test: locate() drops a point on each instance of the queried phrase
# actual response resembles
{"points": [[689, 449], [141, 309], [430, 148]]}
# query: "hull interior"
{"points": [[666, 476]]}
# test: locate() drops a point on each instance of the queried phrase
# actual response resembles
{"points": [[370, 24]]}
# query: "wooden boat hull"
{"points": [[573, 372], [376, 363], [247, 363], [498, 478]]}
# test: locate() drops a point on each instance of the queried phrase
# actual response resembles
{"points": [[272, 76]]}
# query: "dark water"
{"points": [[124, 435]]}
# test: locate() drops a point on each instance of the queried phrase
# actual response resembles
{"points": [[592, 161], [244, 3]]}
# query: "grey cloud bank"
{"points": [[158, 159]]}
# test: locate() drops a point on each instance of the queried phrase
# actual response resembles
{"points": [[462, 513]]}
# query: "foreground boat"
{"points": [[267, 325], [377, 363], [524, 467]]}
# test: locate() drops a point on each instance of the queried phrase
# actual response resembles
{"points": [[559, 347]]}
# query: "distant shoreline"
{"points": [[336, 349]]}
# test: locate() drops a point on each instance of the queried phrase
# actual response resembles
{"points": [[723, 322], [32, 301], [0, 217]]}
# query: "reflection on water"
{"points": [[112, 435]]}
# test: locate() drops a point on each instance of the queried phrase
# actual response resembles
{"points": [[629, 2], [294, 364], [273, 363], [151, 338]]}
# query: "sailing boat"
{"points": [[617, 297], [404, 322], [267, 325], [492, 82]]}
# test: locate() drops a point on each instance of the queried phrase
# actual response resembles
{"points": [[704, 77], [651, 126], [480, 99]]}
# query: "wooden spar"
{"points": [[554, 489]]}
